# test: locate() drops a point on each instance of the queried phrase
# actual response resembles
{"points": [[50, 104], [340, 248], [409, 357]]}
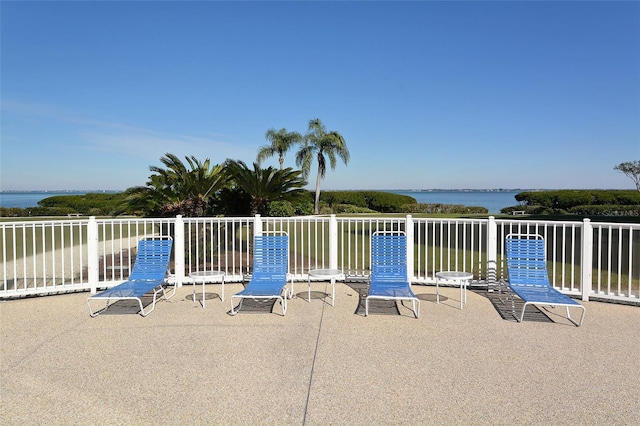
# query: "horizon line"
{"points": [[360, 189]]}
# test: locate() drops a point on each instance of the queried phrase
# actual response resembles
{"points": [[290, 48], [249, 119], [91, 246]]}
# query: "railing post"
{"points": [[92, 254], [333, 242], [586, 260], [408, 229], [257, 225], [178, 245], [491, 273]]}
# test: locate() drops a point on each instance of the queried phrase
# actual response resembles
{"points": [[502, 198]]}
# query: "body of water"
{"points": [[23, 200], [493, 201]]}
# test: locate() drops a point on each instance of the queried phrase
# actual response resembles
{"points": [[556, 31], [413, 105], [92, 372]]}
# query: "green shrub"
{"points": [[326, 210], [12, 212], [281, 209], [626, 198], [50, 211], [303, 209], [527, 209], [351, 209]]}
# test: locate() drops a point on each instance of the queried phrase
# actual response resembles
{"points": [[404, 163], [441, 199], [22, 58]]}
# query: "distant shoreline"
{"points": [[76, 191], [116, 191], [58, 191], [456, 190]]}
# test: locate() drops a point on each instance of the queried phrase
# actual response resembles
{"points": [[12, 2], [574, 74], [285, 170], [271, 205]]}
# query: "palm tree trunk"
{"points": [[317, 202]]}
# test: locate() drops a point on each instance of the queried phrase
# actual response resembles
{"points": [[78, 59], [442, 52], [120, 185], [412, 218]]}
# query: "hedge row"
{"points": [[382, 202], [85, 204], [91, 204], [46, 211], [436, 208], [568, 198], [606, 210]]}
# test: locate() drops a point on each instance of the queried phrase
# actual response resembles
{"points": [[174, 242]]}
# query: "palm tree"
{"points": [[177, 189], [321, 143], [281, 142], [266, 185]]}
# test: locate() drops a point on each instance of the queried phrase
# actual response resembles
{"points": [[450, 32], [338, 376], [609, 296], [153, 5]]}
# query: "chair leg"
{"points": [[576, 323], [513, 310], [415, 306], [93, 314], [503, 291], [522, 314], [153, 305], [233, 311], [173, 292]]}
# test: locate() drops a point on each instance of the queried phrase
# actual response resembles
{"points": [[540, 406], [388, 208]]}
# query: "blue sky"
{"points": [[426, 94]]}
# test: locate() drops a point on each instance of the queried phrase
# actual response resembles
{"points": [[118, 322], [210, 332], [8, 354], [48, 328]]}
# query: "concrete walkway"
{"points": [[184, 365]]}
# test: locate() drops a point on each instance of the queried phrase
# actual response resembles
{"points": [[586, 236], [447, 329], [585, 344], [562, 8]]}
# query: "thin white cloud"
{"points": [[151, 147], [128, 140]]}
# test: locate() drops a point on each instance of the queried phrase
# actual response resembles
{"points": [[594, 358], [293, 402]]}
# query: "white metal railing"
{"points": [[586, 260]]}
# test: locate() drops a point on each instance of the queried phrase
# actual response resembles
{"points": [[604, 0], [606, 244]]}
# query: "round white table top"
{"points": [[204, 275], [454, 275], [325, 273]]}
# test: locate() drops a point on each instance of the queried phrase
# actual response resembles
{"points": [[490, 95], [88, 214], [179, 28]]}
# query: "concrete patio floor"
{"points": [[184, 365]]}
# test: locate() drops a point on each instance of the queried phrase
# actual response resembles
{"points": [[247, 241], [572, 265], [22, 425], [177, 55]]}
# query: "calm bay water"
{"points": [[30, 199], [491, 200]]}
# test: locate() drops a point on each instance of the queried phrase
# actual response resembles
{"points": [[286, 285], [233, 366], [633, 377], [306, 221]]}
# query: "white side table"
{"points": [[460, 278], [204, 277], [324, 275]]}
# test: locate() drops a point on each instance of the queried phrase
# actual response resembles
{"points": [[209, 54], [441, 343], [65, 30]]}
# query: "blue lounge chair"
{"points": [[148, 274], [269, 275], [388, 279], [528, 277]]}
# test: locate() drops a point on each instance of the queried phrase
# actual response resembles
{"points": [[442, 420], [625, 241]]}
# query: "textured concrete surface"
{"points": [[318, 364]]}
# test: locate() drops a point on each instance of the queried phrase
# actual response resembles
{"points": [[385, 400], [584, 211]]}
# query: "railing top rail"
{"points": [[540, 222], [5, 222], [615, 224], [133, 219]]}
